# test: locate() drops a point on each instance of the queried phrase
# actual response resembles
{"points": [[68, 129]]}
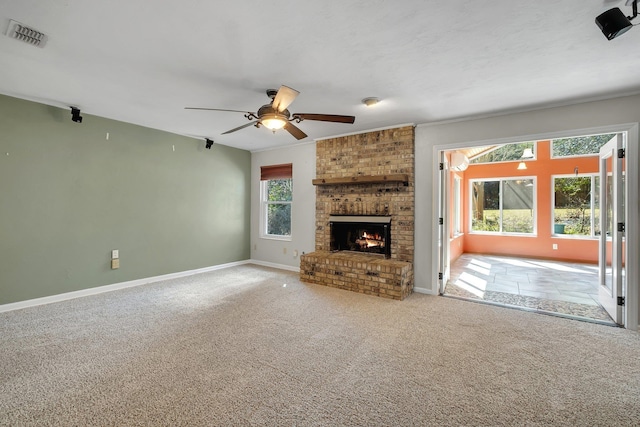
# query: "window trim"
{"points": [[534, 232], [573, 156]]}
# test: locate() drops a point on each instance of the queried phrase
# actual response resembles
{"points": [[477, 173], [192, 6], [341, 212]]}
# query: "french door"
{"points": [[612, 228], [444, 263]]}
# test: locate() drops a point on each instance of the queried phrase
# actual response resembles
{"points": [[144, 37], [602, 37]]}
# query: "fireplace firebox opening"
{"points": [[361, 233]]}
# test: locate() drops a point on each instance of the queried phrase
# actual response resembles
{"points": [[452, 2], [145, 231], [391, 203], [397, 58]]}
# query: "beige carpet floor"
{"points": [[252, 346]]}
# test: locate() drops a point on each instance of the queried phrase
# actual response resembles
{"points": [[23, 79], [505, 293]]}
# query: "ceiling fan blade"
{"points": [[240, 127], [217, 109], [325, 117], [295, 131], [284, 98]]}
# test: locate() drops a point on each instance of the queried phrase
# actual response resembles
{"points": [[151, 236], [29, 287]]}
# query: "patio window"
{"points": [[573, 209], [504, 205]]}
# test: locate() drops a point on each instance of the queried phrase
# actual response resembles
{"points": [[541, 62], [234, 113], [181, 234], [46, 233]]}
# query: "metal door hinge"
{"points": [[620, 300], [441, 166], [621, 227], [621, 153], [440, 221], [440, 276]]}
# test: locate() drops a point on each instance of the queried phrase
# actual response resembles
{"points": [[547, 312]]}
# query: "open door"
{"points": [[612, 228], [443, 220]]}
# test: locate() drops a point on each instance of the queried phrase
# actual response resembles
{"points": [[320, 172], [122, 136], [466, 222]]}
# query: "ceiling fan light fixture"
{"points": [[273, 122], [275, 115]]}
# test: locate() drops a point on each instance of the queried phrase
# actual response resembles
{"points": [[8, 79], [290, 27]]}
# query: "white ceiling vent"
{"points": [[18, 31]]}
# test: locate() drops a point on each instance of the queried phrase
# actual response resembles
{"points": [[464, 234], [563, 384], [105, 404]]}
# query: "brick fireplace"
{"points": [[369, 175]]}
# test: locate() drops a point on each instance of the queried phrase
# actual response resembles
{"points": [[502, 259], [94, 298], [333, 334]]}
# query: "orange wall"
{"points": [[456, 242], [539, 245]]}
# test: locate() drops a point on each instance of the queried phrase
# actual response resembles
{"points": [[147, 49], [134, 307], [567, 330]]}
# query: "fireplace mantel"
{"points": [[363, 179]]}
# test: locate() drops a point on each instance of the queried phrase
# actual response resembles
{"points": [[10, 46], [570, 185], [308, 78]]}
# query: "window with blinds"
{"points": [[276, 194]]}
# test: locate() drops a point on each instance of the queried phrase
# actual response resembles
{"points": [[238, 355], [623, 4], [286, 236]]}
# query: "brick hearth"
{"points": [[362, 273], [372, 154]]}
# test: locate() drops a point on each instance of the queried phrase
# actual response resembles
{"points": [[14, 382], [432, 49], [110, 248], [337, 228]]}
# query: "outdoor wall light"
{"points": [[209, 143], [614, 23]]}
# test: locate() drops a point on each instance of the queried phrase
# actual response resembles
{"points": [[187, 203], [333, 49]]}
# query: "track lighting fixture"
{"points": [[614, 23], [209, 143], [75, 115]]}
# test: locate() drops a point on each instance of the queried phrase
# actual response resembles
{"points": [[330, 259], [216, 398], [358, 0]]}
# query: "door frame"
{"points": [[632, 211]]}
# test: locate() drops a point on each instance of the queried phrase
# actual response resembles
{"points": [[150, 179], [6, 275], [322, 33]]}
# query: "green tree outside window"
{"points": [[505, 153], [579, 146], [279, 195], [503, 205]]}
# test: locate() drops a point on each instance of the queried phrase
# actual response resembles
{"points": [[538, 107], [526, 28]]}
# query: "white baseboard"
{"points": [[274, 265], [113, 287], [424, 291]]}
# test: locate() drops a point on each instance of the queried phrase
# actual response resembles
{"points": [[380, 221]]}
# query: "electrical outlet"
{"points": [[555, 246], [284, 251], [295, 253], [115, 264], [115, 254]]}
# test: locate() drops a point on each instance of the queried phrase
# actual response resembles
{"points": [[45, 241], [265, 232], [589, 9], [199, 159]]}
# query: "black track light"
{"points": [[209, 143], [614, 23], [75, 115]]}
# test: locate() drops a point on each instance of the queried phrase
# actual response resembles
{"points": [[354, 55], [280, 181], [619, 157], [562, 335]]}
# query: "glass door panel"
{"points": [[610, 210]]}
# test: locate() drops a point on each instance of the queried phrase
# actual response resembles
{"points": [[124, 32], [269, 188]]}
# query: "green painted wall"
{"points": [[68, 196]]}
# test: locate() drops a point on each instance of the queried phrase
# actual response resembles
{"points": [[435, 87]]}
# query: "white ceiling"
{"points": [[143, 61]]}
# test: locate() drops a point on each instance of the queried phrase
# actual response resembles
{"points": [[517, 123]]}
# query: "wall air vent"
{"points": [[21, 32]]}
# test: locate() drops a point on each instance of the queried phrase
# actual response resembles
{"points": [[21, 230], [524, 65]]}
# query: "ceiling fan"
{"points": [[275, 115]]}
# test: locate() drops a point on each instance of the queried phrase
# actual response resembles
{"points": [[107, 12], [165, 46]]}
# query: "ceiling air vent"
{"points": [[21, 32]]}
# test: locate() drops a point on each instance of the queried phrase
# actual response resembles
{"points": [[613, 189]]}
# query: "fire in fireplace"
{"points": [[361, 233]]}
